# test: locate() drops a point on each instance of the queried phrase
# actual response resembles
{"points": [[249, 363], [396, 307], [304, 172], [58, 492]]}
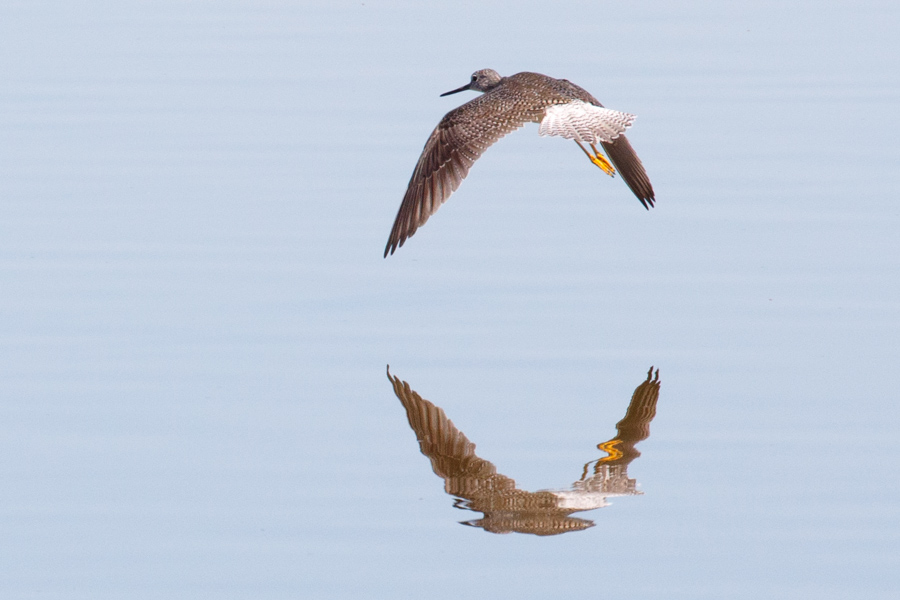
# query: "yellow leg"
{"points": [[598, 159]]}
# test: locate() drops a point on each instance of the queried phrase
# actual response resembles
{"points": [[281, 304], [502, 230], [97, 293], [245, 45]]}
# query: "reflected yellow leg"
{"points": [[610, 448], [598, 159]]}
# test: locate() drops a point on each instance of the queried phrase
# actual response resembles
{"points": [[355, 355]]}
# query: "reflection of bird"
{"points": [[479, 487], [561, 107]]}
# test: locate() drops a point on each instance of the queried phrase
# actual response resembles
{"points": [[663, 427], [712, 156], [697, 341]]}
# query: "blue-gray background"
{"points": [[195, 316]]}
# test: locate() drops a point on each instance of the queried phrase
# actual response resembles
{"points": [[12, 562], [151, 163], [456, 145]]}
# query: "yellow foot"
{"points": [[600, 160]]}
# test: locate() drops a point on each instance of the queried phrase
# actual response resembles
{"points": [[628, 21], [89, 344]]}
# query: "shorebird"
{"points": [[562, 109]]}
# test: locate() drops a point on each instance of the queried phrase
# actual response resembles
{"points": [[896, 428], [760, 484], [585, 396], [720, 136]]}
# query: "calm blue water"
{"points": [[196, 317]]}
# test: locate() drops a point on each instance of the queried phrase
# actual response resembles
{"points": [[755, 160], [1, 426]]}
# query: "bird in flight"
{"points": [[508, 103]]}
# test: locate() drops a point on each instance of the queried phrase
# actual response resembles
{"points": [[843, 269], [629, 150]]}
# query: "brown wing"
{"points": [[623, 156], [635, 425], [452, 455], [456, 143], [626, 160]]}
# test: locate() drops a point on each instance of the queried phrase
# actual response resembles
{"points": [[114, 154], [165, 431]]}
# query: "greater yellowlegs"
{"points": [[561, 107]]}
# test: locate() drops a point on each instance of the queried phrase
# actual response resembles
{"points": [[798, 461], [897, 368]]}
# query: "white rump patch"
{"points": [[584, 122]]}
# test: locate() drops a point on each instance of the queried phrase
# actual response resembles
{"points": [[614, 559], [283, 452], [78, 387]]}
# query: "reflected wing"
{"points": [[456, 143], [452, 455], [635, 425]]}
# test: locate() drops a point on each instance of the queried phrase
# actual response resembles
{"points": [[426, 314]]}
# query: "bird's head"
{"points": [[482, 81]]}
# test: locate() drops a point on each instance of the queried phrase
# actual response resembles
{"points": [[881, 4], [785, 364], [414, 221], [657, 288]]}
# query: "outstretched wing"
{"points": [[456, 143], [630, 167], [620, 152], [452, 455], [635, 425]]}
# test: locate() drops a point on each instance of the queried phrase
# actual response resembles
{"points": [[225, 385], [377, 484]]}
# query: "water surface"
{"points": [[197, 316]]}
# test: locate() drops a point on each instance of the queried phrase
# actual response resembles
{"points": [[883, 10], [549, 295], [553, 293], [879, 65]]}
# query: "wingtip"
{"points": [[648, 200], [391, 246], [394, 243]]}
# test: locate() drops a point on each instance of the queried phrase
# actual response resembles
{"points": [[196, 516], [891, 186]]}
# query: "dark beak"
{"points": [[468, 86]]}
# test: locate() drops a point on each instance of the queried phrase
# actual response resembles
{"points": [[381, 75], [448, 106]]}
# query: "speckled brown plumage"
{"points": [[466, 132]]}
